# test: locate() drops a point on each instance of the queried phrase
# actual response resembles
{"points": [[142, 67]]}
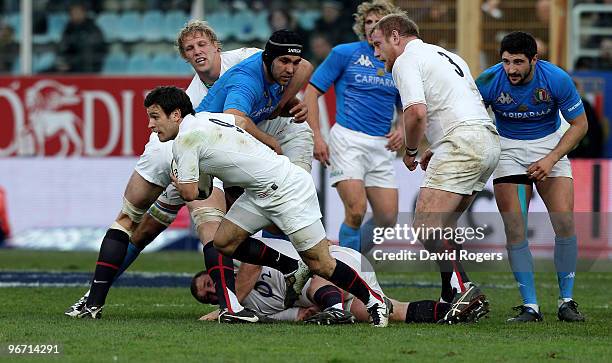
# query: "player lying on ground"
{"points": [[263, 289], [148, 208], [276, 192]]}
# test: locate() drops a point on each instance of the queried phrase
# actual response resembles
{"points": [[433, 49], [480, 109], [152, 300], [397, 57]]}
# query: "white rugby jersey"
{"points": [[268, 294], [431, 75], [197, 90], [211, 143]]}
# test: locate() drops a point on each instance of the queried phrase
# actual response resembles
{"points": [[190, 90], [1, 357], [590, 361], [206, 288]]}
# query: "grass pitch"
{"points": [[160, 324]]}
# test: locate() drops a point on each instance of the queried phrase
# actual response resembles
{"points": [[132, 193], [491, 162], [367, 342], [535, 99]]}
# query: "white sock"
{"points": [[235, 304], [373, 301], [533, 306], [563, 300], [337, 306]]}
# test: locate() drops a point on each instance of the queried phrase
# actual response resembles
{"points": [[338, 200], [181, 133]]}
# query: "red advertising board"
{"points": [[81, 116], [75, 116]]}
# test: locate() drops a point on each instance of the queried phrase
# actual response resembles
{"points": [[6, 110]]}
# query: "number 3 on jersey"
{"points": [[457, 68]]}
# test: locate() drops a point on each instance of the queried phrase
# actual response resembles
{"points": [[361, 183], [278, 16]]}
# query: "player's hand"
{"points": [[305, 313], [274, 145], [299, 112], [425, 159], [212, 316], [539, 170], [173, 179], [410, 162], [321, 151], [396, 139]]}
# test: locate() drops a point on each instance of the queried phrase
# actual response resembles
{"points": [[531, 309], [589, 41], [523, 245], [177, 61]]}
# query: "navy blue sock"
{"points": [[327, 296], [256, 252], [112, 253]]}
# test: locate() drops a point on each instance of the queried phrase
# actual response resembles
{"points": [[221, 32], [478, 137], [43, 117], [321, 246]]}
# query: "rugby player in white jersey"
{"points": [[263, 290], [440, 101], [149, 189], [276, 192]]}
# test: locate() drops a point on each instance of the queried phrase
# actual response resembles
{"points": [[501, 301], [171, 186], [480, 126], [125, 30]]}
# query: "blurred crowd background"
{"points": [[137, 36]]}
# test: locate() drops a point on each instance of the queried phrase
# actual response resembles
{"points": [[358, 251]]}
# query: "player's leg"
{"points": [[347, 172], [158, 217], [296, 141], [207, 214], [329, 299], [558, 196], [340, 274], [381, 189], [512, 194], [353, 196], [139, 195], [233, 240]]}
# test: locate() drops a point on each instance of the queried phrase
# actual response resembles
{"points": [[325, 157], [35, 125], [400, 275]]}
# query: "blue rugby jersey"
{"points": [[244, 88], [365, 93], [530, 111]]}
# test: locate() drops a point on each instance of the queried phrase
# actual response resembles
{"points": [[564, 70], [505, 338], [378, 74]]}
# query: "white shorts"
{"points": [[463, 160], [293, 207], [355, 155], [154, 166], [154, 163], [295, 139], [517, 155]]}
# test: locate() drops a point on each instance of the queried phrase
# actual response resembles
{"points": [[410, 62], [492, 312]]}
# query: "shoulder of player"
{"points": [[489, 75], [551, 70], [347, 49], [235, 56]]}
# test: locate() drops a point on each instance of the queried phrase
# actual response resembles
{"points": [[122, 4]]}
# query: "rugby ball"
{"points": [[205, 184]]}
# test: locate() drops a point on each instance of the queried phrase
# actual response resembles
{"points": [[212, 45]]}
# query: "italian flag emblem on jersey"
{"points": [[541, 95]]}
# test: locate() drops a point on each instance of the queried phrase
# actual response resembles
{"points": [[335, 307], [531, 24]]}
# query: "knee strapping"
{"points": [[117, 226], [133, 212], [161, 214], [206, 214]]}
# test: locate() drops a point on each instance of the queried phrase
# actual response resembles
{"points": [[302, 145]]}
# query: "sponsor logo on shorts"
{"points": [[336, 173]]}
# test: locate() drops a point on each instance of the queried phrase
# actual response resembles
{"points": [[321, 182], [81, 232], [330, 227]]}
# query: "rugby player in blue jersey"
{"points": [[526, 95], [362, 143]]}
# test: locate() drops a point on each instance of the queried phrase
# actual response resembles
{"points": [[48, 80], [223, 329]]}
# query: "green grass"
{"points": [[160, 324]]}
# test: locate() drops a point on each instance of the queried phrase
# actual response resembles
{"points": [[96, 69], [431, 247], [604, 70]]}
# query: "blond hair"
{"points": [[380, 7], [195, 27]]}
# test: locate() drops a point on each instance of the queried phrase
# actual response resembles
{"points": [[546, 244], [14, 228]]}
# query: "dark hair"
{"points": [[519, 43], [194, 287], [170, 98]]}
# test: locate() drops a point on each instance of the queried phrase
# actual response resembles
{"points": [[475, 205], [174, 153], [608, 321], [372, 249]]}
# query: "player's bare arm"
{"points": [[415, 123], [249, 126], [188, 190], [541, 168], [245, 279], [311, 98]]}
